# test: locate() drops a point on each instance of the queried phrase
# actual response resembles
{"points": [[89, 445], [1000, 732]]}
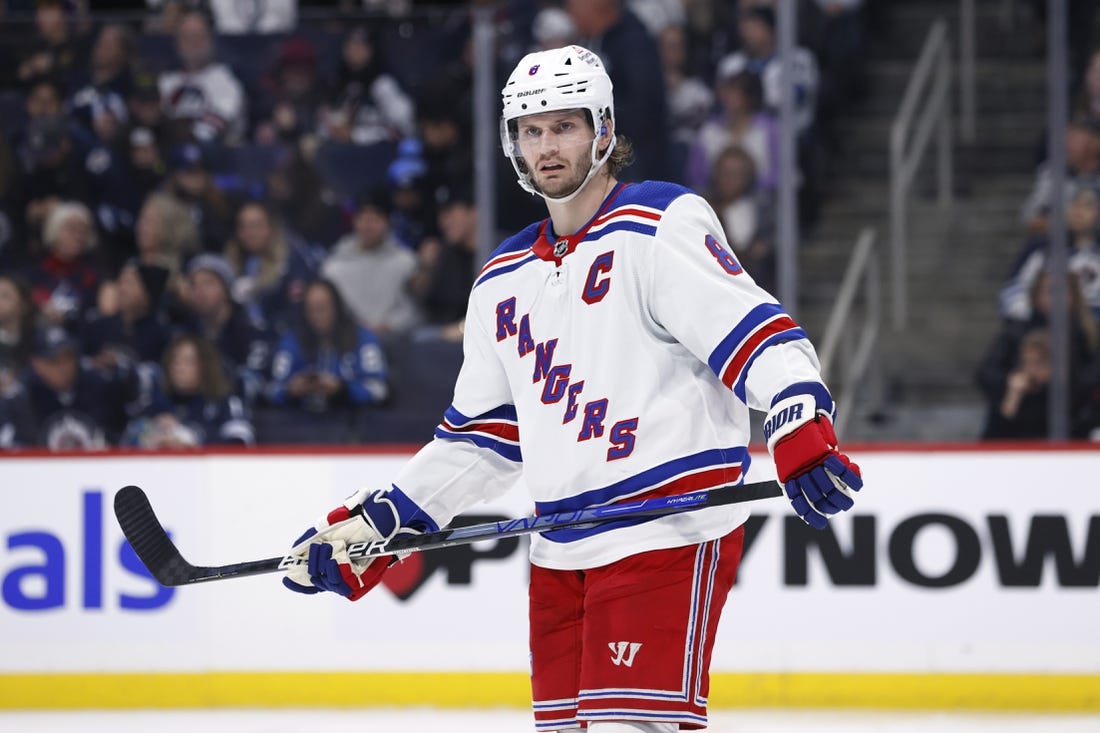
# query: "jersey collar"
{"points": [[553, 248]]}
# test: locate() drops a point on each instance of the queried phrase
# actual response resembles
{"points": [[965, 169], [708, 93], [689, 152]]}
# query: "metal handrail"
{"points": [[863, 269], [925, 107]]}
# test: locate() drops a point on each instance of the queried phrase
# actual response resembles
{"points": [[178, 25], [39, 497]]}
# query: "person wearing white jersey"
{"points": [[601, 348]]}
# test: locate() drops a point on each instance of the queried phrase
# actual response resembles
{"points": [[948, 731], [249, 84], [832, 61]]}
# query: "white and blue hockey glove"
{"points": [[818, 479], [366, 516]]}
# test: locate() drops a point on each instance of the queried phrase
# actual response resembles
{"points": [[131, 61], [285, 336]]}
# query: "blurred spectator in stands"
{"points": [[552, 28], [741, 122], [45, 99], [17, 423], [327, 359], [143, 104], [204, 100], [412, 206], [840, 44], [13, 249], [18, 315], [100, 99], [1003, 356], [759, 56], [447, 264], [1020, 410], [307, 205], [191, 183], [368, 105], [165, 234], [54, 169], [129, 326], [634, 64], [232, 17], [371, 269], [689, 99], [1083, 230], [55, 50], [445, 137], [747, 215], [1087, 106], [147, 166], [1082, 141], [290, 95], [195, 405], [75, 407], [658, 15], [214, 315], [65, 281], [271, 265]]}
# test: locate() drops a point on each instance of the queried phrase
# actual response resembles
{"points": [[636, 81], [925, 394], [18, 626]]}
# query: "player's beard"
{"points": [[565, 180]]}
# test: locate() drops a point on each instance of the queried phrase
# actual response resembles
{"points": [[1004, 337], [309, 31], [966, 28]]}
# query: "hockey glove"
{"points": [[365, 517], [817, 478]]}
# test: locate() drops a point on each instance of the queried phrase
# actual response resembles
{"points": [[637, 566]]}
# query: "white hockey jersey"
{"points": [[615, 364]]}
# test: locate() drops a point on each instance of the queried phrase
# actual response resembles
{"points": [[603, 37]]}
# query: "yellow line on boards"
{"points": [[1063, 693]]}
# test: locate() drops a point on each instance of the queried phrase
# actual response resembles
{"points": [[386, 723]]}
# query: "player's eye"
{"points": [[565, 126]]}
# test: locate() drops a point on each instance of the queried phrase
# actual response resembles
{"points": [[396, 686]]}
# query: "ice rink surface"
{"points": [[514, 721]]}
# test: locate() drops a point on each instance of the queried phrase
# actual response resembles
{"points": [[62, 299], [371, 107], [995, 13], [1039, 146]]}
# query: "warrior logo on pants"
{"points": [[622, 652]]}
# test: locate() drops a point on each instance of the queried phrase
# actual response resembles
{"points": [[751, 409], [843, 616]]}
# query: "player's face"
{"points": [[557, 148]]}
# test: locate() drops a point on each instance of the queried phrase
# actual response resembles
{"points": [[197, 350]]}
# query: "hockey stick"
{"points": [[155, 548]]}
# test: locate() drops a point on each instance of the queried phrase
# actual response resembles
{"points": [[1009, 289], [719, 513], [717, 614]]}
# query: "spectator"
{"points": [[1002, 357], [1082, 140], [371, 270], [840, 42], [54, 169], [444, 135], [271, 266], [131, 327], [412, 212], [17, 323], [327, 360], [214, 315], [759, 57], [307, 206], [165, 233], [369, 105], [633, 62], [75, 407], [747, 216], [1083, 229], [99, 104], [195, 406], [552, 28], [1020, 412], [12, 238], [447, 265], [204, 99], [741, 122], [64, 282], [232, 17], [145, 110], [291, 95], [17, 425], [1087, 105], [689, 99], [55, 51], [191, 183], [147, 168]]}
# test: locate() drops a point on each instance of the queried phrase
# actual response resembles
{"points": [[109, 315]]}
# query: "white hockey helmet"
{"points": [[571, 77]]}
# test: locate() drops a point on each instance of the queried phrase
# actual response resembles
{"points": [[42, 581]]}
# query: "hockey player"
{"points": [[601, 347]]}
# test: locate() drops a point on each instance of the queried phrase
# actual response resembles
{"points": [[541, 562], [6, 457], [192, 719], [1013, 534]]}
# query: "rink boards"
{"points": [[963, 578]]}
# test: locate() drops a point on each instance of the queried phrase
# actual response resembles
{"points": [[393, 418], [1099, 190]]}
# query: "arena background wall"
{"points": [[964, 578]]}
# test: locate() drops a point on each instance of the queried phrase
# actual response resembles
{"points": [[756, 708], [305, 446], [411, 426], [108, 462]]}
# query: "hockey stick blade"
{"points": [[156, 549]]}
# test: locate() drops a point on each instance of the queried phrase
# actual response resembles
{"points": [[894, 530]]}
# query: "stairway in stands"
{"points": [[957, 257]]}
